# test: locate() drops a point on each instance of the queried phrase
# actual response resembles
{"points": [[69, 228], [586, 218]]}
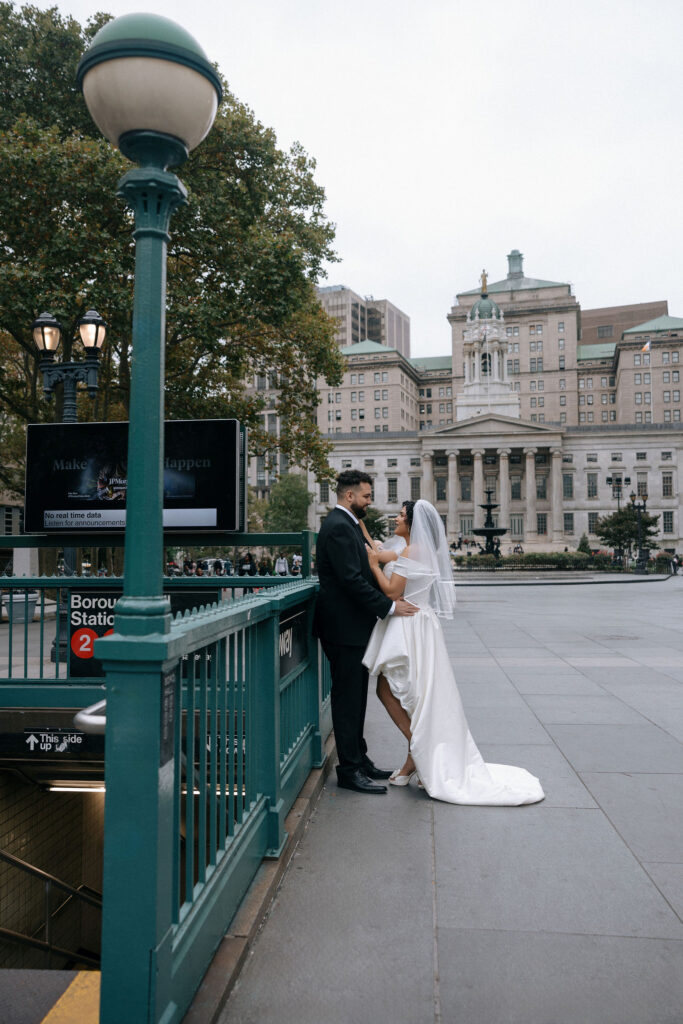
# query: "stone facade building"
{"points": [[528, 406]]}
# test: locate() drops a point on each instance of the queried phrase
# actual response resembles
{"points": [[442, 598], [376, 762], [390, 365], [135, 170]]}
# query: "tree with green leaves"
{"points": [[584, 544], [243, 260], [619, 531], [287, 508], [376, 524]]}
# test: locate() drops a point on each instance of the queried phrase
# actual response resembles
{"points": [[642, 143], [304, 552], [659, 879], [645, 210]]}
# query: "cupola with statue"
{"points": [[487, 387]]}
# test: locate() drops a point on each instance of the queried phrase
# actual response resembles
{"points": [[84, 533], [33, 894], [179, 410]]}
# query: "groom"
{"points": [[348, 606]]}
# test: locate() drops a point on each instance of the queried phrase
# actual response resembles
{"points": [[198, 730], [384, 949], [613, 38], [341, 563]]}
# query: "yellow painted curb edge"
{"points": [[80, 1003]]}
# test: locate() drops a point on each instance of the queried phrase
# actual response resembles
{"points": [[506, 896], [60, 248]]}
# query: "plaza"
{"points": [[403, 910]]}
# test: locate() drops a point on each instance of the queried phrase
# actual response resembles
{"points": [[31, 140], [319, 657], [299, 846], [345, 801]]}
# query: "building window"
{"points": [[392, 489], [639, 417], [667, 485], [354, 378], [354, 414], [616, 457], [517, 527], [466, 488], [324, 492], [666, 396], [591, 485], [605, 332], [593, 521], [560, 325], [665, 358], [561, 363], [677, 396], [441, 484], [567, 486], [642, 484], [568, 522], [639, 397], [516, 488], [414, 488], [542, 523], [667, 522], [667, 415], [592, 457], [647, 396], [542, 487]]}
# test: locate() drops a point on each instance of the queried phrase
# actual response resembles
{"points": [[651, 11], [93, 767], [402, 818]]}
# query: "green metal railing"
{"points": [[211, 730], [207, 749]]}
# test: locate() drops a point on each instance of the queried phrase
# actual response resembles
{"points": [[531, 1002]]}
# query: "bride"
{"points": [[415, 682]]}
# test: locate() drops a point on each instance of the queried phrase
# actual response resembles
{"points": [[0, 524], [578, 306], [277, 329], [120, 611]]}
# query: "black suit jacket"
{"points": [[349, 601]]}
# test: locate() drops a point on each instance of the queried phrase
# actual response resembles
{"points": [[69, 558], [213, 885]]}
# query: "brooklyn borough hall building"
{"points": [[559, 412]]}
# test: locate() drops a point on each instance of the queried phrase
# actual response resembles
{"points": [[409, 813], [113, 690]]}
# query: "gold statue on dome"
{"points": [[484, 282]]}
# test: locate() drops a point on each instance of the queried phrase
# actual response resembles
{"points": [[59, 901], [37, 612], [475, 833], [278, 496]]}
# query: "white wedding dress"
{"points": [[411, 653]]}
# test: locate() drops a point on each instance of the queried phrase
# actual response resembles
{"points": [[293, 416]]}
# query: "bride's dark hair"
{"points": [[409, 506]]}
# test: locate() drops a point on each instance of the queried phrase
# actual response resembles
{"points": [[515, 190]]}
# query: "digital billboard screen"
{"points": [[76, 476]]}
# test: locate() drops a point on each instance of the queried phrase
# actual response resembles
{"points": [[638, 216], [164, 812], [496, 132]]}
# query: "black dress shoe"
{"points": [[358, 782], [373, 772]]}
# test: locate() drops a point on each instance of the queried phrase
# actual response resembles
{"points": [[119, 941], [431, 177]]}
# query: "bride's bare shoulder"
{"points": [[406, 552]]}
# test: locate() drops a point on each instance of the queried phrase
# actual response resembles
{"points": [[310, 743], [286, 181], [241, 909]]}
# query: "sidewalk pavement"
{"points": [[400, 910]]}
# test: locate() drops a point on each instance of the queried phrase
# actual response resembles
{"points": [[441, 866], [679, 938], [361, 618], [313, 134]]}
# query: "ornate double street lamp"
{"points": [[643, 554], [152, 92], [47, 334]]}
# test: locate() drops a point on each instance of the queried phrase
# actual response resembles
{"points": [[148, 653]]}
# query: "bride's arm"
{"points": [[393, 587], [383, 556]]}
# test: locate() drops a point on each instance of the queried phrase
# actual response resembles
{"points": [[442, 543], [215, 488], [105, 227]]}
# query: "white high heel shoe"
{"points": [[396, 779]]}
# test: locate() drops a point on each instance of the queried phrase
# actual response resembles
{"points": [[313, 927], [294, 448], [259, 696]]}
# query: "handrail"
{"points": [[89, 719], [29, 869], [47, 947]]}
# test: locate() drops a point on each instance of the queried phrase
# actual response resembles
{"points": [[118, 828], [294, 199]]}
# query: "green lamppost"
{"points": [[152, 92], [640, 508]]}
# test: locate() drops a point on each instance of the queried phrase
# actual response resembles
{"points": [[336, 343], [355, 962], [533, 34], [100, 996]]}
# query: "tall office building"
{"points": [[366, 319]]}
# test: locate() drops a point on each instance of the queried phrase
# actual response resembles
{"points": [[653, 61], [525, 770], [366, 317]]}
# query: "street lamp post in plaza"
{"points": [[47, 334], [640, 507], [152, 92], [616, 483]]}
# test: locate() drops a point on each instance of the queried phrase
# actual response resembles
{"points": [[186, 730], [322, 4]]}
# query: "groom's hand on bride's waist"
{"points": [[403, 607]]}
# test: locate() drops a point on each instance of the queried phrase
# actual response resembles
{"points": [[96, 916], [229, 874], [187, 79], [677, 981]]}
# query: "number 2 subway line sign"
{"points": [[92, 616]]}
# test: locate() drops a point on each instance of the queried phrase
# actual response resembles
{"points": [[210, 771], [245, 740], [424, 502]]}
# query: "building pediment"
{"points": [[491, 429]]}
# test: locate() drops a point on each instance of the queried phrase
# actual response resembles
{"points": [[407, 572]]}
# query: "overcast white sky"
{"points": [[447, 132]]}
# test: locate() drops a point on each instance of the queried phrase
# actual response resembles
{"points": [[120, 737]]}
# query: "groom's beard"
{"points": [[359, 511]]}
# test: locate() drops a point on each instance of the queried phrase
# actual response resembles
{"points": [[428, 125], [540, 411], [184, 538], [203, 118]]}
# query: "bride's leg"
{"points": [[397, 713], [399, 717]]}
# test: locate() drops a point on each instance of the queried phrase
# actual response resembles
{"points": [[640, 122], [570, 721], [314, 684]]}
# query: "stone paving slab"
{"points": [[491, 977], [402, 910]]}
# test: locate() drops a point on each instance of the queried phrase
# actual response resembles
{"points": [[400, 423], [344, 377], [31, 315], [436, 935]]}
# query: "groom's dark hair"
{"points": [[351, 478]]}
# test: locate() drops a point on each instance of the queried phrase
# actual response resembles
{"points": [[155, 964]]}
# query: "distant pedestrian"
{"points": [[282, 565]]}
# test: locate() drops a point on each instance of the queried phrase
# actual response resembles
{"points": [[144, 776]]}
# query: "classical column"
{"points": [[504, 487], [452, 496], [427, 489], [556, 495], [477, 362], [478, 454], [531, 526]]}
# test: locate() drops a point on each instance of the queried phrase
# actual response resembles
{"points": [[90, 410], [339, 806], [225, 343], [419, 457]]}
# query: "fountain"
{"points": [[488, 530]]}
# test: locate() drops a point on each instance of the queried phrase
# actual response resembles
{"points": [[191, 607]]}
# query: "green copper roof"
{"points": [[516, 284], [432, 363], [486, 308], [660, 323], [605, 350], [366, 347]]}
